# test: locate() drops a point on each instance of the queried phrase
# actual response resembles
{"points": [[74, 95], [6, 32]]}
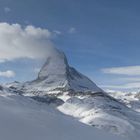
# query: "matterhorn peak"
{"points": [[55, 65], [57, 75]]}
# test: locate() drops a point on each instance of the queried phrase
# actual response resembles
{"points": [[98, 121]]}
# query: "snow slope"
{"points": [[22, 118], [102, 111]]}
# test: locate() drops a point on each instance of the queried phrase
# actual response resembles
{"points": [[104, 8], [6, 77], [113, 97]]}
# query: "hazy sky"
{"points": [[101, 38]]}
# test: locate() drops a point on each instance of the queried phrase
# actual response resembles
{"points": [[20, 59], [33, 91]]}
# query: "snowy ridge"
{"points": [[130, 99]]}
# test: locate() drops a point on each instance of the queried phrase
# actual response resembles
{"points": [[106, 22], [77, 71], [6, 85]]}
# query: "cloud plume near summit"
{"points": [[29, 42]]}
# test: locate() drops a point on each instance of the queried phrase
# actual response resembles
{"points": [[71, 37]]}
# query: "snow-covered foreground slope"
{"points": [[102, 111], [22, 118]]}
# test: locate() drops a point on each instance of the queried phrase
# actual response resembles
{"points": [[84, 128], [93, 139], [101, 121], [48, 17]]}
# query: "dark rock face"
{"points": [[48, 100], [1, 88]]}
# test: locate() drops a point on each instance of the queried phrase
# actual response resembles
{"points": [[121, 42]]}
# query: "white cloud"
{"points": [[7, 9], [24, 42], [72, 30], [57, 32], [129, 79], [134, 85], [7, 74], [129, 70]]}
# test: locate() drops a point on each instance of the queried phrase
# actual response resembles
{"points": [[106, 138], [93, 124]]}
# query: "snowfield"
{"points": [[22, 118], [105, 113]]}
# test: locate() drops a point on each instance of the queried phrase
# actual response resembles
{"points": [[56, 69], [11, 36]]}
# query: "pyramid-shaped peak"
{"points": [[57, 74], [55, 64]]}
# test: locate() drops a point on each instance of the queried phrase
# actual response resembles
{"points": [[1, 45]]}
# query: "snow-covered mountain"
{"points": [[130, 99], [75, 95], [56, 76]]}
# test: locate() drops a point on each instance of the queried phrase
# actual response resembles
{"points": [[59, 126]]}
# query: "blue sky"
{"points": [[96, 35]]}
